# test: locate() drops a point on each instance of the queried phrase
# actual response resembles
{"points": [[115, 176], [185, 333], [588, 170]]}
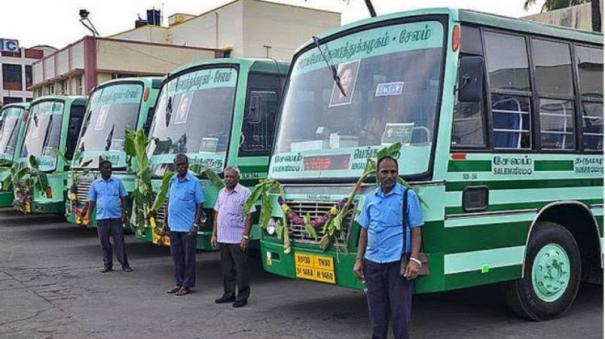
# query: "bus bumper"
{"points": [[48, 207], [6, 199], [310, 264]]}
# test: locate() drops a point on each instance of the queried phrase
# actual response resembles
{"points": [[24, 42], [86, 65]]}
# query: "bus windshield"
{"points": [[43, 133], [111, 110], [9, 132], [390, 87], [193, 116]]}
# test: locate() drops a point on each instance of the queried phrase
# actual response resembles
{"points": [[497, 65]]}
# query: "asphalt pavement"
{"points": [[51, 287]]}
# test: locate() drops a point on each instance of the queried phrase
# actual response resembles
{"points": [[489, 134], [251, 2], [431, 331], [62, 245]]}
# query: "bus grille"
{"points": [[161, 212], [83, 186], [315, 209]]}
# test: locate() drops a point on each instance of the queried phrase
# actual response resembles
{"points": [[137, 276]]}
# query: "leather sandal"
{"points": [[174, 290], [183, 291]]}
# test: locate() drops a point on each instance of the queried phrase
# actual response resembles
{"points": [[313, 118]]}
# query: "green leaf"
{"points": [[129, 147], [287, 247], [309, 229], [266, 211], [161, 196], [42, 179], [325, 241], [58, 152], [211, 175], [280, 230]]}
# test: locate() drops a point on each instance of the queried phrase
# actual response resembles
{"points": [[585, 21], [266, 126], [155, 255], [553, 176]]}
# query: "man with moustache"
{"points": [[185, 205], [380, 249], [231, 230]]}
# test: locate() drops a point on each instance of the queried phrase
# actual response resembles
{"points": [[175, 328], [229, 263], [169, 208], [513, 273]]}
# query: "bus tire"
{"points": [[551, 274]]}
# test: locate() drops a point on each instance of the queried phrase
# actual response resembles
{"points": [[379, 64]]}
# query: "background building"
{"points": [[578, 17], [241, 28], [16, 73], [252, 28], [77, 68]]}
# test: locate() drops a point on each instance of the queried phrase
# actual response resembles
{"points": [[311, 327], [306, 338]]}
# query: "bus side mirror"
{"points": [[470, 79]]}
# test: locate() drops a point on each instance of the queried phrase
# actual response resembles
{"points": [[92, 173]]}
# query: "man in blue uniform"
{"points": [[108, 195], [185, 206], [380, 249]]}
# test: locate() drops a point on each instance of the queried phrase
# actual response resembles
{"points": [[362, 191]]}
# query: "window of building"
{"points": [[11, 77], [553, 74], [508, 73], [11, 100], [28, 76], [589, 62]]}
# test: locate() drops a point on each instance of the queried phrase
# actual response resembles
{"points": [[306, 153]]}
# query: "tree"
{"points": [[595, 6]]}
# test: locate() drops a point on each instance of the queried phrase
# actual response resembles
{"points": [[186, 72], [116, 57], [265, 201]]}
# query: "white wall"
{"points": [[283, 27], [202, 30]]}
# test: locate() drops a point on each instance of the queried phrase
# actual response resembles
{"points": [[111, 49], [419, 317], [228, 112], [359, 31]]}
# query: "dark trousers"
{"points": [[234, 263], [182, 248], [389, 298], [113, 228]]}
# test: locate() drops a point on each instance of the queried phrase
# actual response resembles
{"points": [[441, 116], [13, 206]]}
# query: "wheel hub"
{"points": [[551, 272]]}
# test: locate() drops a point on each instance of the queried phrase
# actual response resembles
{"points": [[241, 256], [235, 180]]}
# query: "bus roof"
{"points": [[527, 26], [258, 65], [24, 105], [74, 99], [154, 82], [479, 18]]}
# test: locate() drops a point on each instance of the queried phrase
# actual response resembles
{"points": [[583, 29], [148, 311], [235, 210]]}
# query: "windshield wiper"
{"points": [[332, 68], [48, 128], [109, 138]]}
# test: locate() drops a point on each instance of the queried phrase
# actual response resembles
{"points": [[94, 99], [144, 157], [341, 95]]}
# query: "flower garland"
{"points": [[80, 214], [22, 198]]}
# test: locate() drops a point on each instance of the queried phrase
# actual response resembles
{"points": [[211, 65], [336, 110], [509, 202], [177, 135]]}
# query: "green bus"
{"points": [[12, 125], [113, 107], [501, 122], [53, 124], [219, 113]]}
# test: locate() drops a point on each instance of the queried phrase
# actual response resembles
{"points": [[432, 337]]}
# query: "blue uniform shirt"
{"points": [[381, 216], [183, 198], [107, 195]]}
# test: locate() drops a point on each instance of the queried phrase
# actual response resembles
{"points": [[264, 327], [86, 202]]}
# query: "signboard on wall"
{"points": [[9, 45]]}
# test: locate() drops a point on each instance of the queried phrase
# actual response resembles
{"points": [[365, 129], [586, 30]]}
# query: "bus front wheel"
{"points": [[551, 274]]}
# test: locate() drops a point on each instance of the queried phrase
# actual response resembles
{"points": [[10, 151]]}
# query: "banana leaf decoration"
{"points": [[209, 173], [134, 145]]}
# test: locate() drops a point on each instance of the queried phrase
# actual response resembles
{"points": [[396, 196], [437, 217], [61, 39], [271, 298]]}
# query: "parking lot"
{"points": [[51, 287]]}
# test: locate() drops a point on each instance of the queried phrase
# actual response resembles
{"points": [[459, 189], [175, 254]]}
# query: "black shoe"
{"points": [[225, 299], [127, 269], [240, 303], [106, 269]]}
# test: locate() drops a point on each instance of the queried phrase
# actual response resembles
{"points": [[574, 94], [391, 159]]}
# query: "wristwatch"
{"points": [[247, 237]]}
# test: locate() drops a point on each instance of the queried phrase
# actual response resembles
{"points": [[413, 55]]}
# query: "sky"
{"points": [[56, 23]]}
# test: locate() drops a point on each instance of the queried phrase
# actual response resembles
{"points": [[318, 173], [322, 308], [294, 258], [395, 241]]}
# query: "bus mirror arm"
{"points": [[470, 79]]}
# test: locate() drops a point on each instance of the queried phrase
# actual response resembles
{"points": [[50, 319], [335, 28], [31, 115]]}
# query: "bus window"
{"points": [[468, 125], [508, 71], [73, 129], [260, 113], [552, 62], [589, 62]]}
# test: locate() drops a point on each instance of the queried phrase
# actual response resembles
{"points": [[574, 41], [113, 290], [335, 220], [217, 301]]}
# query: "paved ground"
{"points": [[50, 287]]}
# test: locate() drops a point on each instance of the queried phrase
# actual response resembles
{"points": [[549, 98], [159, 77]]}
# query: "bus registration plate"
{"points": [[315, 267]]}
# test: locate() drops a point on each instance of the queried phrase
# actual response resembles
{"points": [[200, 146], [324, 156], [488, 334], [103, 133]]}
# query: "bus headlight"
{"points": [[271, 225]]}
